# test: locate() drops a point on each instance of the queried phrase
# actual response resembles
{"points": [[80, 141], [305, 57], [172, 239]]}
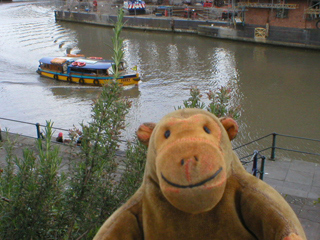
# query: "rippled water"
{"points": [[277, 88]]}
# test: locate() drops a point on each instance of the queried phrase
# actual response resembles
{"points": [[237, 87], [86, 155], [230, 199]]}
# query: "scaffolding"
{"points": [[313, 10], [267, 5]]}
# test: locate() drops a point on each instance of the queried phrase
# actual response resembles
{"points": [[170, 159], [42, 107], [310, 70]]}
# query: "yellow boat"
{"points": [[90, 71]]}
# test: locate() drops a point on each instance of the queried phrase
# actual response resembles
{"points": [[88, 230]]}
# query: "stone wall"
{"points": [[293, 37], [297, 37], [143, 23]]}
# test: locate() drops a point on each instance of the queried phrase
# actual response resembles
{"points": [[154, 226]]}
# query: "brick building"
{"points": [[301, 14]]}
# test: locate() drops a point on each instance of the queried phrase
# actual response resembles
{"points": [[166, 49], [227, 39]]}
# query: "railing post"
{"points": [[263, 160], [38, 130], [0, 134], [273, 148], [255, 163]]}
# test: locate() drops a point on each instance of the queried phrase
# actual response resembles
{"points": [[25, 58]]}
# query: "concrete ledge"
{"points": [[242, 35], [289, 37]]}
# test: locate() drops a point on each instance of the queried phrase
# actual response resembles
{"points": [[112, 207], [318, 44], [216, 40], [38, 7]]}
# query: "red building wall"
{"points": [[296, 17]]}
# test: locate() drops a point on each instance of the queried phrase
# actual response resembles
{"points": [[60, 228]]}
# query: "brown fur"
{"points": [[195, 187]]}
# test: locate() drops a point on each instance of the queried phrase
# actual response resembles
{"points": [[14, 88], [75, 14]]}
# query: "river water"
{"points": [[277, 87]]}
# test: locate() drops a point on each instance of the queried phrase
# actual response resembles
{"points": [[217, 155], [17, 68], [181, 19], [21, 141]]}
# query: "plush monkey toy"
{"points": [[195, 187]]}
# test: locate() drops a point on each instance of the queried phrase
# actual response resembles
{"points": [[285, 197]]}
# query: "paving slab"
{"points": [[316, 179], [314, 193], [311, 229], [299, 177], [276, 172], [302, 166], [277, 184]]}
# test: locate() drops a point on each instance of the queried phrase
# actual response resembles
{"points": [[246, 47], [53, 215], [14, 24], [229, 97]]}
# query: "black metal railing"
{"points": [[38, 126], [255, 157], [274, 146]]}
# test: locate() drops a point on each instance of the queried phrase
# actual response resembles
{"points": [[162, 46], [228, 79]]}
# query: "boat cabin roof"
{"points": [[89, 63]]}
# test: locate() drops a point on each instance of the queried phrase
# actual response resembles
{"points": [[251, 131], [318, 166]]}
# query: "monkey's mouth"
{"points": [[192, 185]]}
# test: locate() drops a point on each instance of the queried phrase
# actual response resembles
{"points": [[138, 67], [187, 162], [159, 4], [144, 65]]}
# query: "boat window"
{"points": [[102, 72], [88, 71], [45, 65], [123, 66], [65, 68], [54, 67]]}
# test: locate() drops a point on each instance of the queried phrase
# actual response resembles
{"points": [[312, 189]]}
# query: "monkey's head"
{"points": [[189, 157]]}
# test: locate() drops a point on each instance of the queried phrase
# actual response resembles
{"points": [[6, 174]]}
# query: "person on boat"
{"points": [[65, 68]]}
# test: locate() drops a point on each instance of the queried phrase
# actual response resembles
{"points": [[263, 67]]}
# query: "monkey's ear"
{"points": [[144, 132], [230, 126]]}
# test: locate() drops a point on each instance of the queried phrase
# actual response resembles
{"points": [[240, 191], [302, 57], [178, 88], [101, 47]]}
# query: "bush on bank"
{"points": [[39, 201], [220, 102]]}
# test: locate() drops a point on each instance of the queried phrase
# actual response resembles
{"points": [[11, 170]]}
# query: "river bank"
{"points": [[279, 36]]}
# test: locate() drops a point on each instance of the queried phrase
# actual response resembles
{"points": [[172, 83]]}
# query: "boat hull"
{"points": [[89, 80]]}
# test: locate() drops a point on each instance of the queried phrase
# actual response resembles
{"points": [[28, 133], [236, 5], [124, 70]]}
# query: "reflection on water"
{"points": [[277, 88], [88, 93]]}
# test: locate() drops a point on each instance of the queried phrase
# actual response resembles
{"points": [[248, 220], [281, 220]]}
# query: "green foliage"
{"points": [[39, 202], [32, 186], [91, 193], [194, 101], [134, 164], [117, 42], [220, 102], [91, 196]]}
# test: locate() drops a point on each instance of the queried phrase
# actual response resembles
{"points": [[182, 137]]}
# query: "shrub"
{"points": [[220, 102], [38, 201], [33, 187], [134, 164]]}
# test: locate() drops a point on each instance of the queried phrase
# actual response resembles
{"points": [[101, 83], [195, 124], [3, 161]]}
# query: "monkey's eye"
{"points": [[206, 129], [167, 134]]}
